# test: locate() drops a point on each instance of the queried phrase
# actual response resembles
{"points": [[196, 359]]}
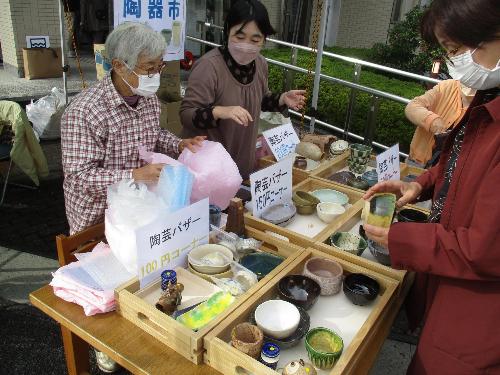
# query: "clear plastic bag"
{"points": [[174, 186], [243, 279], [45, 114]]}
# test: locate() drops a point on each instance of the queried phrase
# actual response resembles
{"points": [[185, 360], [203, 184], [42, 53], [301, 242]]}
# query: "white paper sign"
{"points": [[271, 185], [282, 140], [37, 41], [165, 16], [388, 164], [165, 243]]}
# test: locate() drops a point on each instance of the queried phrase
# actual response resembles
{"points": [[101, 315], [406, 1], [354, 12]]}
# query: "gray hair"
{"points": [[130, 40]]}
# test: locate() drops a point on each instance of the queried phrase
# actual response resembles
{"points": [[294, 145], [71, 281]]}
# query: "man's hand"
{"points": [[148, 173], [236, 113], [405, 192], [191, 143]]}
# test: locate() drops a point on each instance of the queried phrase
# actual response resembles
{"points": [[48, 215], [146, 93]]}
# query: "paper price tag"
{"points": [[165, 243], [271, 185], [388, 164], [282, 140]]}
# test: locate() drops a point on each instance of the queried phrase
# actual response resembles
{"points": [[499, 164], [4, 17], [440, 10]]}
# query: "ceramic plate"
{"points": [[330, 195]]}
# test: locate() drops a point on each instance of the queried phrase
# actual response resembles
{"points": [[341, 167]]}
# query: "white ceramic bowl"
{"points": [[328, 211], [207, 259], [338, 147], [278, 319]]}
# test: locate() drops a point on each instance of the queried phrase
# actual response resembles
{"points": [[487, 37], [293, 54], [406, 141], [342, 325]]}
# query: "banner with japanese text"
{"points": [[165, 16], [165, 243]]}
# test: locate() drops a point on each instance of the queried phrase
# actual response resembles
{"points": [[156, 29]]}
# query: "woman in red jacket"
{"points": [[457, 253]]}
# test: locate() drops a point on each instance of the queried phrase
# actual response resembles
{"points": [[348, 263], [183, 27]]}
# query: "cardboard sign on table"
{"points": [[388, 167], [282, 140]]}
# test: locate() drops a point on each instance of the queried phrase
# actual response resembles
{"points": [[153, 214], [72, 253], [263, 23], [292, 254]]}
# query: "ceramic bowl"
{"points": [[341, 177], [261, 263], [409, 215], [328, 211], [358, 183], [324, 347], [360, 289], [300, 162], [224, 275], [294, 338], [330, 195], [350, 242], [248, 339], [279, 214], [371, 177], [308, 209], [380, 253], [276, 318], [304, 198], [210, 259], [300, 290], [338, 147], [359, 150], [326, 272]]}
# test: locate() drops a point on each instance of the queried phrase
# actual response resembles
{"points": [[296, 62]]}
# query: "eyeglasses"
{"points": [[449, 54], [152, 71]]}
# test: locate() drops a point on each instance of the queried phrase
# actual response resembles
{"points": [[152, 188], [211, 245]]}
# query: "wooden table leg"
{"points": [[76, 351]]}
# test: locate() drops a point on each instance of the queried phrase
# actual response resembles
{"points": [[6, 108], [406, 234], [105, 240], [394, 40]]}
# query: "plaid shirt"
{"points": [[100, 135]]}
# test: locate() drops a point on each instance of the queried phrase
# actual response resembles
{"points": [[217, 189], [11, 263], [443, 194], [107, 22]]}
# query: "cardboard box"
{"points": [[102, 65], [42, 63], [169, 116]]}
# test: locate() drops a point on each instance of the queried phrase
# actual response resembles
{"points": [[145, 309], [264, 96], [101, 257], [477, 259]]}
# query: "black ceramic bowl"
{"points": [[360, 289], [409, 215], [300, 290]]}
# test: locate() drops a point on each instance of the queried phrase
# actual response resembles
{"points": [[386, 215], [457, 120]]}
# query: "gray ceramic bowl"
{"points": [[280, 214], [380, 253]]}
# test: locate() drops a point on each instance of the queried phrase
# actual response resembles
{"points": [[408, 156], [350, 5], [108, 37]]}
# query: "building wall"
{"points": [[20, 18], [364, 22], [274, 10]]}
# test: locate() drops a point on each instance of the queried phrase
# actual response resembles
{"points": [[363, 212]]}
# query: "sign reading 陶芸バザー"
{"points": [[282, 140], [165, 243], [165, 16], [271, 185], [388, 164]]}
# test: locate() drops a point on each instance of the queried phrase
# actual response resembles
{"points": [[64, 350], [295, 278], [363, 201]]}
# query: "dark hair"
{"points": [[245, 11], [467, 22]]}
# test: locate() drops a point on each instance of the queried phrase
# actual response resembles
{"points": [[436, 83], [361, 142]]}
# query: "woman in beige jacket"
{"points": [[436, 112]]}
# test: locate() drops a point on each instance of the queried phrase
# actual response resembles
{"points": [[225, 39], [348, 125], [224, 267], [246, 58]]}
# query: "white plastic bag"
{"points": [[130, 206], [45, 114]]}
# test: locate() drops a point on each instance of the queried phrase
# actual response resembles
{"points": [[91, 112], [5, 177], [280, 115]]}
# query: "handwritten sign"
{"points": [[168, 17], [282, 140], [165, 243], [388, 164], [37, 41], [271, 185]]}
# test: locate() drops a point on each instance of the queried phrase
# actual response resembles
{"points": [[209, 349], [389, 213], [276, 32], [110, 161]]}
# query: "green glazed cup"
{"points": [[324, 347]]}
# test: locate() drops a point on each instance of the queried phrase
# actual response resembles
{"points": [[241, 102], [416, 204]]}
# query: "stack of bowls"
{"points": [[210, 260], [359, 157], [338, 147], [304, 202]]}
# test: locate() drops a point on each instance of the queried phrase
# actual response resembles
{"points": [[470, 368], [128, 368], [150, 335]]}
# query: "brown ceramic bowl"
{"points": [[247, 338], [326, 272], [304, 198]]}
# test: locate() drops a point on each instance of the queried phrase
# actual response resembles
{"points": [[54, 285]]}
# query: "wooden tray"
{"points": [[299, 175], [363, 334], [408, 170], [309, 228], [132, 306]]}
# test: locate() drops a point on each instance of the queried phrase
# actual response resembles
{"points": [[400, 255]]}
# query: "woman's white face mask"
{"points": [[148, 86], [471, 74]]}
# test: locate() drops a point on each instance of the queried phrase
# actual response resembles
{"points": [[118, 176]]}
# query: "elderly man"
{"points": [[104, 126]]}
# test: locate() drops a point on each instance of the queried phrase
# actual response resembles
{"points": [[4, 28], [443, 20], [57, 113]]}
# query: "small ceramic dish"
{"points": [[294, 338], [247, 338], [360, 289], [300, 162], [371, 177], [341, 177], [210, 259], [330, 195], [358, 183], [328, 211], [261, 263], [359, 150], [277, 319], [308, 209], [279, 214], [409, 215], [380, 253], [350, 242], [224, 275], [304, 198], [326, 272], [338, 147], [324, 347], [300, 290]]}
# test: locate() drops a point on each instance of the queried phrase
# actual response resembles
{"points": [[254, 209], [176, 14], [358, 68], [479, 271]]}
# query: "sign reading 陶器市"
{"points": [[271, 185], [165, 16], [165, 243], [388, 164], [282, 140]]}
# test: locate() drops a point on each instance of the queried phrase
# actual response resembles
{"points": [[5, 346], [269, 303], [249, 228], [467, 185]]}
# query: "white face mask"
{"points": [[471, 74], [243, 53], [147, 86]]}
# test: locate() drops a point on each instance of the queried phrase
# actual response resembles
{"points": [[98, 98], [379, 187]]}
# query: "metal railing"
{"points": [[376, 95]]}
